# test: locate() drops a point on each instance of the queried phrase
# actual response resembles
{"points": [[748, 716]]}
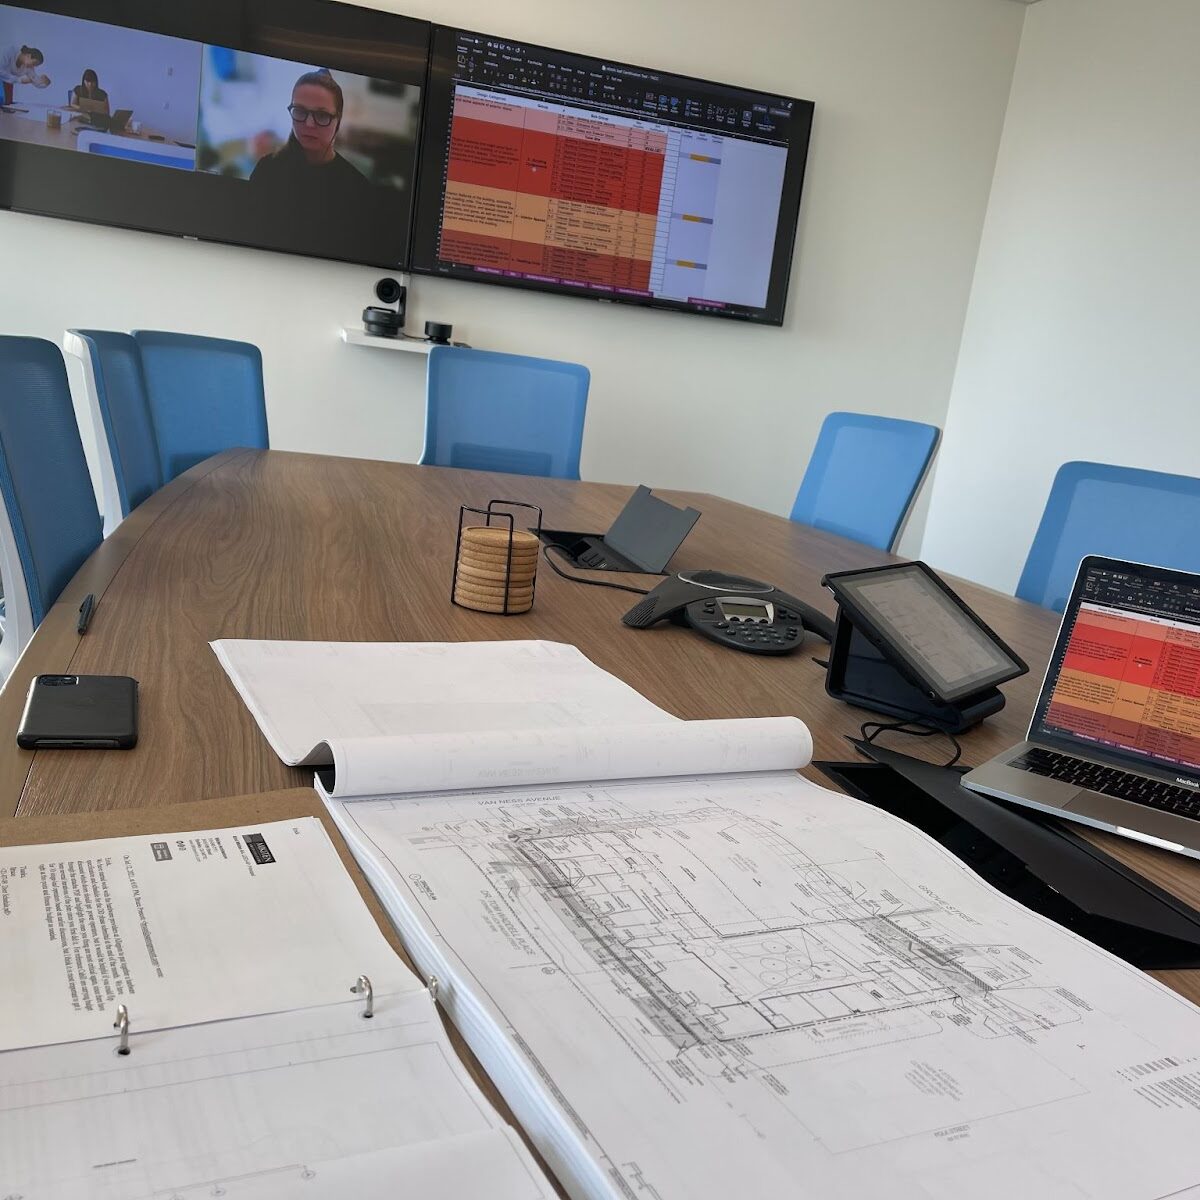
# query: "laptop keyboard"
{"points": [[1111, 781]]}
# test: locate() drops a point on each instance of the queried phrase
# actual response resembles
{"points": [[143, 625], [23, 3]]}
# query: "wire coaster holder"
{"points": [[493, 513]]}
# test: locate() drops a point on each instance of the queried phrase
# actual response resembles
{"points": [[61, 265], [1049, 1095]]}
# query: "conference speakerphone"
{"points": [[741, 613]]}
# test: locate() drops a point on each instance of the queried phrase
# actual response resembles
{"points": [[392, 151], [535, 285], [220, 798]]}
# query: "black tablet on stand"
{"points": [[905, 645]]}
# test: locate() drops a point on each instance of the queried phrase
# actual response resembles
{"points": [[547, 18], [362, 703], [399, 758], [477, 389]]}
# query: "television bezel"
{"points": [[441, 76], [174, 22]]}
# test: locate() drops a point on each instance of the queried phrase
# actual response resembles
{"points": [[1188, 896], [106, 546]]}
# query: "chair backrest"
{"points": [[206, 395], [504, 412], [863, 476], [51, 522], [112, 372], [1120, 512]]}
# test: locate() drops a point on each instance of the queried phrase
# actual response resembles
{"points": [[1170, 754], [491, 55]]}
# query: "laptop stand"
{"points": [[1032, 858]]}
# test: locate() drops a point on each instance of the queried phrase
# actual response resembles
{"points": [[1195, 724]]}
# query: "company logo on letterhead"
{"points": [[259, 851]]}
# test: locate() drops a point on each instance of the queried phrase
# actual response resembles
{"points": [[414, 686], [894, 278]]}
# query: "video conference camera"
{"points": [[387, 322]]}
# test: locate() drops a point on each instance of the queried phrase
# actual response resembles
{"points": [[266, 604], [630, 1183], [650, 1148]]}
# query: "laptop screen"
{"points": [[1124, 682]]}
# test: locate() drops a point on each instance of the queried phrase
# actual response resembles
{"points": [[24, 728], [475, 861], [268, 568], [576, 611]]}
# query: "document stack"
{"points": [[218, 1014]]}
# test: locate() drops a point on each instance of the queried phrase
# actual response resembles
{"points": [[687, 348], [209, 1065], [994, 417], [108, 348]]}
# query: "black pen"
{"points": [[85, 612]]}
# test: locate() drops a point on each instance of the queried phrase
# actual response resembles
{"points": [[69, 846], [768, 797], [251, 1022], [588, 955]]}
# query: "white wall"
{"points": [[910, 99], [1082, 339]]}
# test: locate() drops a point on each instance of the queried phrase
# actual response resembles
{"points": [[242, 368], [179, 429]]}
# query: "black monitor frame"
{"points": [[350, 38], [431, 180]]}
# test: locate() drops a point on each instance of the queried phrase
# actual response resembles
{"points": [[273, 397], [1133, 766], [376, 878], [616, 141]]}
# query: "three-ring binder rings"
{"points": [[241, 1063], [694, 974], [122, 1024], [362, 987]]}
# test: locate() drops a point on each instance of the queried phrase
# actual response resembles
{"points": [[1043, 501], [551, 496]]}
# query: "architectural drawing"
{"points": [[719, 966], [709, 980], [721, 930]]}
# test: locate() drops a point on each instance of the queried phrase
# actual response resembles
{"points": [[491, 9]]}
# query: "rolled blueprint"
{"points": [[461, 762]]}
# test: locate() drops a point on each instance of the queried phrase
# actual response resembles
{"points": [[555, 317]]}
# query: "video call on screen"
{"points": [[294, 125], [193, 136]]}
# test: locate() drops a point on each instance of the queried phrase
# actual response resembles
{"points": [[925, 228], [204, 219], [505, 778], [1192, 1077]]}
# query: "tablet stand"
{"points": [[862, 673]]}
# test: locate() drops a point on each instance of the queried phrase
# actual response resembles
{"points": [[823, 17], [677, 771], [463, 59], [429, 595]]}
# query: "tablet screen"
{"points": [[954, 654]]}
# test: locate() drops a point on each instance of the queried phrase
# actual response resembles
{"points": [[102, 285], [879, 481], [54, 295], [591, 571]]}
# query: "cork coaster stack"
{"points": [[483, 560]]}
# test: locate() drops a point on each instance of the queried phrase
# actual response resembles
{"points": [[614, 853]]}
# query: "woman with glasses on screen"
{"points": [[308, 172]]}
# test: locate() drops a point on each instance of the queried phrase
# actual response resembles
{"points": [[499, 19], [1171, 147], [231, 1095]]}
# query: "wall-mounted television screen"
{"points": [[288, 125], [549, 170]]}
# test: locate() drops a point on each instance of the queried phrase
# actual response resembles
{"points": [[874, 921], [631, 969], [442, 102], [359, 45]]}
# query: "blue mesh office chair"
{"points": [[116, 391], [863, 476], [1121, 512], [504, 412], [50, 522], [206, 395]]}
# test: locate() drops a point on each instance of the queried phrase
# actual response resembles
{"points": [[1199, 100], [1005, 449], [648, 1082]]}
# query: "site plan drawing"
{"points": [[753, 986], [668, 906]]}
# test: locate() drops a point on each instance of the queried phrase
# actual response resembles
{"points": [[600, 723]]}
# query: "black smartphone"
{"points": [[80, 712]]}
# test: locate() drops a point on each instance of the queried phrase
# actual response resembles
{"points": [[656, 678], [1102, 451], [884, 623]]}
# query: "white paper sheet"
{"points": [[756, 987], [305, 694], [491, 1166], [180, 928], [320, 1103], [459, 762]]}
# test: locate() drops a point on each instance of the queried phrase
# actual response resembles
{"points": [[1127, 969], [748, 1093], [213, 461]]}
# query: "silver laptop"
{"points": [[1115, 738]]}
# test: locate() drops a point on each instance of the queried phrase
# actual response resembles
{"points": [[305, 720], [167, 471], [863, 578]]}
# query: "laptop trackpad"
{"points": [[1127, 815]]}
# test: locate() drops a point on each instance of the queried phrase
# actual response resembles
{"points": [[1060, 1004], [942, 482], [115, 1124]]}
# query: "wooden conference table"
{"points": [[26, 122], [267, 544]]}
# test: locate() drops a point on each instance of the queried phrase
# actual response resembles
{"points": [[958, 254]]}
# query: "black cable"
{"points": [[620, 587], [878, 727]]}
